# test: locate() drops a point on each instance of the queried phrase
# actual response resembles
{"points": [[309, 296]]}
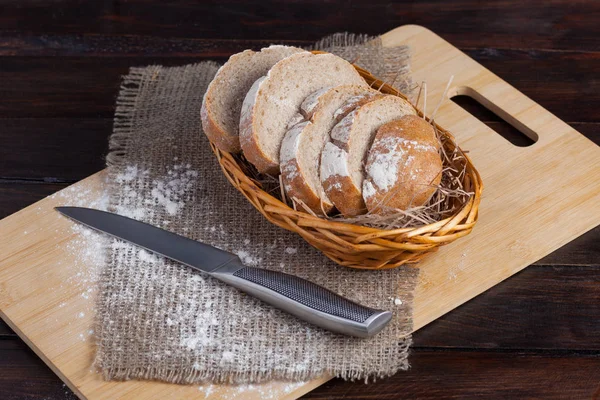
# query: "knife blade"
{"points": [[299, 297]]}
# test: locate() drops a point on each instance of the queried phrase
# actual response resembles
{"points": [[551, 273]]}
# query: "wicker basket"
{"points": [[353, 245]]}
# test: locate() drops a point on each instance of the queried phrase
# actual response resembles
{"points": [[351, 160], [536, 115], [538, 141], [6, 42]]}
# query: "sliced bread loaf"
{"points": [[273, 102], [223, 99], [403, 167], [301, 148], [353, 137]]}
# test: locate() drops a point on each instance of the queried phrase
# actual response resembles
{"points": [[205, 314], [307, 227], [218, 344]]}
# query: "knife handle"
{"points": [[304, 299]]}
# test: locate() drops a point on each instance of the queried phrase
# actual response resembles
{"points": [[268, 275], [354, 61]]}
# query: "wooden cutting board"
{"points": [[536, 199]]}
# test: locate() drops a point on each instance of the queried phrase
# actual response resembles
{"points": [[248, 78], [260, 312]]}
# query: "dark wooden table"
{"points": [[536, 335]]}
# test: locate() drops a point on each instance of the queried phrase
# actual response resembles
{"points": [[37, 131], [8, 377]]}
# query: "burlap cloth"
{"points": [[160, 320]]}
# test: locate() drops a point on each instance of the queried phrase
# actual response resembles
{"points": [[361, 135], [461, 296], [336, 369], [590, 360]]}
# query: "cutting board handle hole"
{"points": [[494, 117]]}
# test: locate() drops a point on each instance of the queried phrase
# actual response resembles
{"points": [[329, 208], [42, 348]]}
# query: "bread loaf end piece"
{"points": [[403, 167]]}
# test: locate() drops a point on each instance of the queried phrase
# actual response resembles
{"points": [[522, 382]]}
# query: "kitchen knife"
{"points": [[304, 299]]}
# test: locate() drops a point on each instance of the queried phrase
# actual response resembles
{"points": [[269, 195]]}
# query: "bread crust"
{"points": [[342, 132], [403, 166], [356, 102], [337, 182], [293, 176], [248, 140], [323, 108], [250, 136], [217, 132], [343, 192]]}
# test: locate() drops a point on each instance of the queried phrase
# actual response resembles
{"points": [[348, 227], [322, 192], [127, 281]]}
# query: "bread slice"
{"points": [[223, 99], [313, 102], [353, 136], [301, 148], [403, 167], [273, 102]]}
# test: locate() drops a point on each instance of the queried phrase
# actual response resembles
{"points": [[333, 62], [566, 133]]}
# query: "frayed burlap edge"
{"points": [[189, 375], [395, 68]]}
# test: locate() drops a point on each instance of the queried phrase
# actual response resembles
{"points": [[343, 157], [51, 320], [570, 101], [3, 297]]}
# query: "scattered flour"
{"points": [[241, 392], [458, 268], [227, 358], [85, 250], [207, 390], [147, 256], [247, 258], [170, 194], [130, 174], [201, 335], [87, 293], [167, 193], [395, 300], [88, 248]]}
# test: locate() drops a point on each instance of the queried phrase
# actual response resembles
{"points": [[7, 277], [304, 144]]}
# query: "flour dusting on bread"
{"points": [[403, 166], [354, 134], [383, 169]]}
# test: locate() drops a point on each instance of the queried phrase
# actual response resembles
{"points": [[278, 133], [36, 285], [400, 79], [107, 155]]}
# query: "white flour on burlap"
{"points": [[160, 320]]}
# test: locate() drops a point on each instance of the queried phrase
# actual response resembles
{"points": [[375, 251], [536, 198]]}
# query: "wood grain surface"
{"points": [[60, 65]]}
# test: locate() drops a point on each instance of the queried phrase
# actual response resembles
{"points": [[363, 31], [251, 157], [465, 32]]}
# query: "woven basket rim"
{"points": [[345, 242]]}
